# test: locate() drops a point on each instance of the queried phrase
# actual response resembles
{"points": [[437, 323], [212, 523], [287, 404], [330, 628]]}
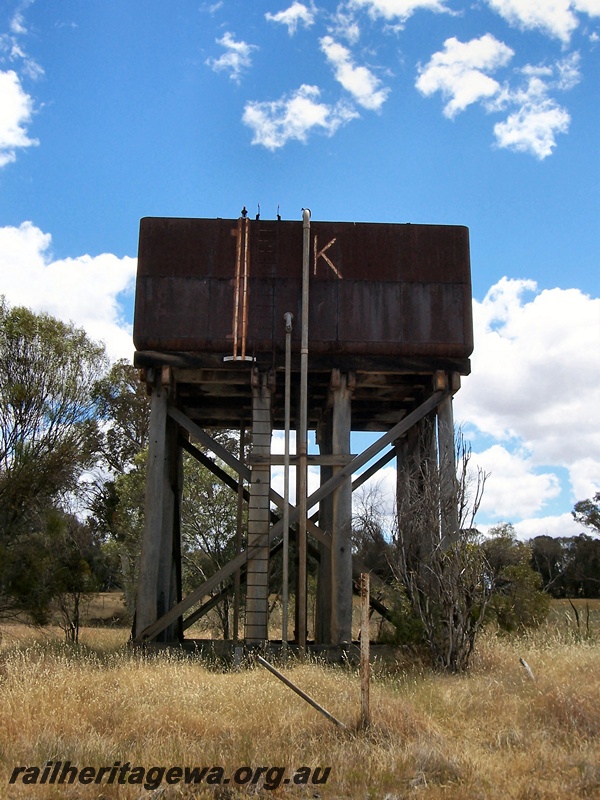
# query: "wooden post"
{"points": [[365, 663], [447, 470], [324, 590], [157, 583], [257, 580], [238, 540], [341, 547]]}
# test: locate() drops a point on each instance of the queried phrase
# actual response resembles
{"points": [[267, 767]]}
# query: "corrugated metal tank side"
{"points": [[378, 289]]}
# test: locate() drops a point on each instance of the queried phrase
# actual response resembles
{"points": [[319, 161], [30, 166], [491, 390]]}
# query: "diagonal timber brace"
{"points": [[323, 491]]}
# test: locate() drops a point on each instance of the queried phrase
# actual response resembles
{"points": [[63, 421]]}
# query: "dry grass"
{"points": [[492, 734]]}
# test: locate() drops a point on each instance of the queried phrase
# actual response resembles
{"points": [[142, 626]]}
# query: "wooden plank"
{"points": [[339, 460], [299, 692], [155, 497], [203, 437], [341, 545], [365, 641]]}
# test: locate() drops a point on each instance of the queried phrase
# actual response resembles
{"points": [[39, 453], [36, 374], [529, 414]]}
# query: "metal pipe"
{"points": [[302, 444], [236, 301], [245, 289], [288, 317]]}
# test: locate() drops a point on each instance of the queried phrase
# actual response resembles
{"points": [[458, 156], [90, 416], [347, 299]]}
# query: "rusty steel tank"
{"points": [[385, 299]]}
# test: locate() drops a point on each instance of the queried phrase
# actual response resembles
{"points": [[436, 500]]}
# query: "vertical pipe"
{"points": [[245, 288], [303, 433], [286, 482], [236, 301]]}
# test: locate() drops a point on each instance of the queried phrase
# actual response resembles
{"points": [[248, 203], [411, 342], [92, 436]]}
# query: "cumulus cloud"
{"points": [[459, 72], [358, 81], [535, 383], [297, 14], [399, 10], [551, 525], [294, 116], [235, 59], [514, 489], [538, 118], [533, 128], [16, 110], [85, 290], [555, 18]]}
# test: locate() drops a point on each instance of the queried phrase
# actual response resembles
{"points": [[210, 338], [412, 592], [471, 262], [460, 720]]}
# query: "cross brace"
{"points": [[323, 491]]}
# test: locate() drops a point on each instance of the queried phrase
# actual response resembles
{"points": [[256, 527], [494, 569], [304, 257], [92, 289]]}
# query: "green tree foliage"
{"points": [[517, 601], [120, 513], [49, 437], [76, 560], [123, 406], [587, 512]]}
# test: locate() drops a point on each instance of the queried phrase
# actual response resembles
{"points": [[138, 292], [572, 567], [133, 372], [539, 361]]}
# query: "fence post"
{"points": [[365, 665]]}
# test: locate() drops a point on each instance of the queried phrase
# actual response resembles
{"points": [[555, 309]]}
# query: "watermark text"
{"points": [[269, 778]]}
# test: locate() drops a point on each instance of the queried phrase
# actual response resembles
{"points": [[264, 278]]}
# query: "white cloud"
{"points": [[513, 490], [344, 24], [235, 59], [536, 378], [84, 290], [293, 117], [556, 18], [533, 128], [538, 118], [459, 71], [296, 14], [557, 525], [585, 478], [399, 10], [16, 110], [358, 81]]}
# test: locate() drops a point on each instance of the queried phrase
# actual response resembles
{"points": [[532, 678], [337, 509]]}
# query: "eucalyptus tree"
{"points": [[49, 439]]}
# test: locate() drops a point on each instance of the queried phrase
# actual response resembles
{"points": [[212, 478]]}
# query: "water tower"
{"points": [[258, 325]]}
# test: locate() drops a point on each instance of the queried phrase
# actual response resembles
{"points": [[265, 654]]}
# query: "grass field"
{"points": [[494, 733]]}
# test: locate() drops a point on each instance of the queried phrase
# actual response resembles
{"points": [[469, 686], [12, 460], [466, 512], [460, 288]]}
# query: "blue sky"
{"points": [[425, 111]]}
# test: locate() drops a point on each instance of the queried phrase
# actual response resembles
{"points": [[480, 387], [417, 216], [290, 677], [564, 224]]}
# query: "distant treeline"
{"points": [[569, 566]]}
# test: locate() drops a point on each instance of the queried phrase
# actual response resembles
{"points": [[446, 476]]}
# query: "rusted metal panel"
{"points": [[379, 289]]}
